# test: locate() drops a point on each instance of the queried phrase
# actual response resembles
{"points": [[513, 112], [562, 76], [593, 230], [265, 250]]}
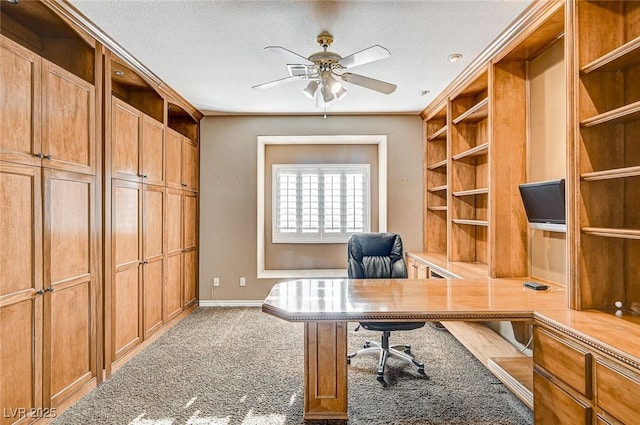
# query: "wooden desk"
{"points": [[326, 305]]}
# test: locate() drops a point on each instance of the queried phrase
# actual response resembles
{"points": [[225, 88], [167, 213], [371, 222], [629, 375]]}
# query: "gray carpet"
{"points": [[239, 366]]}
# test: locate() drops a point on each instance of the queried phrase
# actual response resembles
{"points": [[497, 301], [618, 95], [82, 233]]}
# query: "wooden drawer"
{"points": [[553, 406], [617, 392], [564, 360]]}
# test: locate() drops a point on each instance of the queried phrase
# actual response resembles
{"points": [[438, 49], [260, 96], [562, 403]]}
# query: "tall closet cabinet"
{"points": [[87, 211]]}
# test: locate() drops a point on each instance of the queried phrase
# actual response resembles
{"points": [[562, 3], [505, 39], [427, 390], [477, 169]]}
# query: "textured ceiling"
{"points": [[212, 52]]}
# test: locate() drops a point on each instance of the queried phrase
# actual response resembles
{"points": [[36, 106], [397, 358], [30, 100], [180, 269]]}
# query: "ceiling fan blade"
{"points": [[289, 53], [370, 83], [368, 55], [275, 83]]}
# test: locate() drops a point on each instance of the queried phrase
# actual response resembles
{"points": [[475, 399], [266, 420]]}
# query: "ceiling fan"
{"points": [[326, 71]]}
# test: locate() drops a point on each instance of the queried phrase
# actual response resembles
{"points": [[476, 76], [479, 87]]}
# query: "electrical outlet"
{"points": [[243, 281], [216, 281]]}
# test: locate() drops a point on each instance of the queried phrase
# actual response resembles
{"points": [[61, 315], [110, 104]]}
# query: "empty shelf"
{"points": [[437, 165], [482, 149], [437, 188], [630, 112], [477, 112], [438, 135], [438, 208], [612, 233], [623, 57], [483, 223], [616, 173], [472, 192]]}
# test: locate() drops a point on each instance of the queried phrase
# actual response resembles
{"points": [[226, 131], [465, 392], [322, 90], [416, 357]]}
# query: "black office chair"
{"points": [[379, 256]]}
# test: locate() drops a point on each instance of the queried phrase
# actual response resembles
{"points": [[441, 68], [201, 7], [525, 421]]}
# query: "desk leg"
{"points": [[325, 370]]}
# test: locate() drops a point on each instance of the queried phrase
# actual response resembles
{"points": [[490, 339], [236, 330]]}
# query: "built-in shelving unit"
{"points": [[607, 154], [436, 175], [470, 171]]}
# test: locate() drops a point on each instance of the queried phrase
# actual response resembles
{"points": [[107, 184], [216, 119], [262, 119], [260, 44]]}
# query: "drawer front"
{"points": [[565, 361], [553, 406], [617, 392]]}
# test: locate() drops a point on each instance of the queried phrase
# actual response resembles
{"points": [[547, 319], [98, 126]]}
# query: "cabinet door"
{"points": [[126, 130], [152, 151], [20, 287], [68, 121], [173, 289], [126, 291], [190, 244], [554, 406], [153, 254], [617, 391], [20, 91], [174, 141], [190, 172], [69, 283]]}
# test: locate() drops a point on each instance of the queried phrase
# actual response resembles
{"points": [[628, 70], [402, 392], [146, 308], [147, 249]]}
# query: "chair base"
{"points": [[398, 351]]}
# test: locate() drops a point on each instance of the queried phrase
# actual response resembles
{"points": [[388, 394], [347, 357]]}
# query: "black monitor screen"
{"points": [[544, 201]]}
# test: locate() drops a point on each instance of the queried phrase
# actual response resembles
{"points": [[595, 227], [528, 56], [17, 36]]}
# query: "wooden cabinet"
{"points": [[182, 170], [138, 152], [190, 247], [48, 113], [173, 289], [416, 269], [580, 378], [21, 290], [126, 291], [153, 247], [48, 300]]}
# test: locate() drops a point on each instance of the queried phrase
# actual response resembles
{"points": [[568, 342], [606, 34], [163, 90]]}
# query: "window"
{"points": [[319, 203]]}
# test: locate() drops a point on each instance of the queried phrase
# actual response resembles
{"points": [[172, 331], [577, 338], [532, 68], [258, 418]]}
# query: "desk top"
{"points": [[395, 300]]}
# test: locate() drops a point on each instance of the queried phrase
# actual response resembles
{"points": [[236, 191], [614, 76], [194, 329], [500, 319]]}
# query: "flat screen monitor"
{"points": [[544, 203]]}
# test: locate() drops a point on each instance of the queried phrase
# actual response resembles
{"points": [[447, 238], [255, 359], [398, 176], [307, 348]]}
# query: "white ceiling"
{"points": [[212, 52]]}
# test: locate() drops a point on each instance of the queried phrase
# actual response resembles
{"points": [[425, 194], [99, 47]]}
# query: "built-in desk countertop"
{"points": [[326, 305]]}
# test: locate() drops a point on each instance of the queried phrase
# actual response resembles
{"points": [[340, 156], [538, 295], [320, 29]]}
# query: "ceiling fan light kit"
{"points": [[326, 71]]}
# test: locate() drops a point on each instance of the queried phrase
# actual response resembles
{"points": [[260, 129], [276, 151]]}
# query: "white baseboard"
{"points": [[230, 303]]}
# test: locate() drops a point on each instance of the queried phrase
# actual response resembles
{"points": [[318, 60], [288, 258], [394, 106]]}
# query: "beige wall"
{"points": [[228, 194], [547, 159]]}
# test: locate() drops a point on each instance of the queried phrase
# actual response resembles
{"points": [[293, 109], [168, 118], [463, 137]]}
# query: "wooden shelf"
{"points": [[482, 149], [438, 135], [437, 188], [516, 373], [630, 112], [608, 232], [616, 173], [623, 57], [477, 112], [438, 208], [472, 192], [483, 223], [437, 165]]}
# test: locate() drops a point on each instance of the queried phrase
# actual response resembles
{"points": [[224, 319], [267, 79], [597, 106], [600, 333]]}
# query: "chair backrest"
{"points": [[375, 256]]}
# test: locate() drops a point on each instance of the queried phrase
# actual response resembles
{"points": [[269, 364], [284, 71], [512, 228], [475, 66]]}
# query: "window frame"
{"points": [[299, 236], [262, 141]]}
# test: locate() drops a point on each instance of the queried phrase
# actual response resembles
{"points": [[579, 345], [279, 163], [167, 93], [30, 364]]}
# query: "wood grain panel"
{"points": [[325, 374], [21, 355], [70, 339], [126, 219], [190, 165], [153, 221], [152, 147], [553, 406], [126, 310], [153, 283], [569, 363], [173, 143], [20, 106], [190, 220], [190, 276], [172, 294], [174, 221], [68, 121], [69, 219], [617, 392], [126, 131], [20, 229]]}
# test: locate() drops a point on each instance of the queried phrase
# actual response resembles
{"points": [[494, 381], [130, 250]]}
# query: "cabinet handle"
{"points": [[49, 289], [40, 292], [144, 176], [47, 157], [39, 155], [183, 184]]}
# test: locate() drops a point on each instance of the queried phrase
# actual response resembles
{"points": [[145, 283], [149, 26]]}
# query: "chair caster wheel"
{"points": [[348, 360], [408, 352], [380, 379], [421, 370], [367, 344]]}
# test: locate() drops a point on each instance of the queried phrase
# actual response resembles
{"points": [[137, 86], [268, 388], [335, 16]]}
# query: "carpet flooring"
{"points": [[239, 366]]}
